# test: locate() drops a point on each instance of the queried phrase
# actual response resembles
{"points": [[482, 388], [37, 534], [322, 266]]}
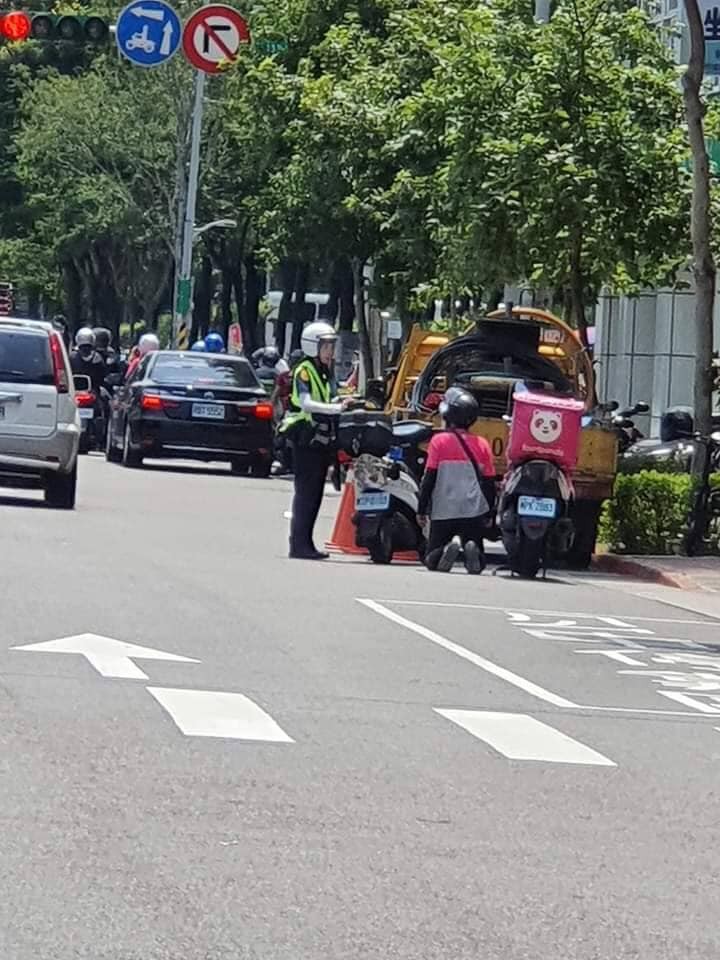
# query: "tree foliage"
{"points": [[454, 146]]}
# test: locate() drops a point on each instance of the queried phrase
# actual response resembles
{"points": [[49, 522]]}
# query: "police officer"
{"points": [[309, 427]]}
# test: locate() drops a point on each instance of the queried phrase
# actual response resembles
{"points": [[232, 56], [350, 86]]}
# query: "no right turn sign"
{"points": [[213, 35]]}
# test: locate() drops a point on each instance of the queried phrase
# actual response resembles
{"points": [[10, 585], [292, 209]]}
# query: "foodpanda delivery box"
{"points": [[546, 428]]}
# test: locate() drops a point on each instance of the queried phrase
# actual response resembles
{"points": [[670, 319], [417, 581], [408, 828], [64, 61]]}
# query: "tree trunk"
{"points": [[238, 283], [253, 295], [700, 224], [287, 278], [361, 317], [341, 306], [577, 290], [72, 285], [226, 301], [299, 307], [202, 299]]}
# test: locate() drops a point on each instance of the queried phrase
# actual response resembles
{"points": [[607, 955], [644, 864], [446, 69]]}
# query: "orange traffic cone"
{"points": [[342, 539]]}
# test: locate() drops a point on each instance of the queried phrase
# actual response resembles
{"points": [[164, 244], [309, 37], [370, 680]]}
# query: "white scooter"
{"points": [[387, 494]]}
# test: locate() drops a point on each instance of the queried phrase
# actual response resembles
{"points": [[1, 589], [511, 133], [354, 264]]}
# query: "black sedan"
{"points": [[192, 406]]}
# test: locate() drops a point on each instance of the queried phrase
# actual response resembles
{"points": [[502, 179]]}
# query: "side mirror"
{"points": [[82, 383]]}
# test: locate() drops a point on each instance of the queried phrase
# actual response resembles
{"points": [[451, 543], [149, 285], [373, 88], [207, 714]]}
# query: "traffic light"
{"points": [[7, 299], [18, 25]]}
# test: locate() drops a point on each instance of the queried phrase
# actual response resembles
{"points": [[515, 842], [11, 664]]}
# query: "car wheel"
{"points": [[60, 490], [261, 467], [112, 454], [130, 457]]}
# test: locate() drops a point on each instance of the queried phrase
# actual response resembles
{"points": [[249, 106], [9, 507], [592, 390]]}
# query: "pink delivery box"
{"points": [[545, 428]]}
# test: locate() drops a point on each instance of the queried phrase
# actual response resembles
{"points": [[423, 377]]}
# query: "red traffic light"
{"points": [[15, 25]]}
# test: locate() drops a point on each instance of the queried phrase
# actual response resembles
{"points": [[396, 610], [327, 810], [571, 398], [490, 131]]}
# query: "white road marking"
{"points": [[515, 679], [614, 655], [544, 613], [501, 672], [689, 701], [211, 713], [521, 737], [111, 658]]}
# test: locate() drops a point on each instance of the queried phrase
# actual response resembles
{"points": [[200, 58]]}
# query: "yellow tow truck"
{"points": [[532, 346]]}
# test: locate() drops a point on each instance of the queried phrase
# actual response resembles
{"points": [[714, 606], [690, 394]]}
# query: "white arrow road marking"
{"points": [[111, 658], [520, 737], [211, 713], [158, 15], [166, 45]]}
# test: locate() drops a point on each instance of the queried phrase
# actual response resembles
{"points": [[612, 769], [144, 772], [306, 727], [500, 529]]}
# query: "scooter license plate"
{"points": [[371, 502], [86, 413], [542, 507]]}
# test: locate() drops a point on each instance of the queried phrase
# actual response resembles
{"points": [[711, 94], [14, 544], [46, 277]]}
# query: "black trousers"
{"points": [[442, 532], [311, 467]]}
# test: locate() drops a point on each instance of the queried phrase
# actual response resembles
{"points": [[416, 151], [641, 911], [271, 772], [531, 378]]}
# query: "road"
{"points": [[344, 761]]}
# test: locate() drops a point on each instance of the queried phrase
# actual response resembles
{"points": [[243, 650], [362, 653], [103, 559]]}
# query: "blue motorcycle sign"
{"points": [[148, 32]]}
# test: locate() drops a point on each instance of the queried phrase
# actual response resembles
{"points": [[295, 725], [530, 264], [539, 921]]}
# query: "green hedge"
{"points": [[649, 513]]}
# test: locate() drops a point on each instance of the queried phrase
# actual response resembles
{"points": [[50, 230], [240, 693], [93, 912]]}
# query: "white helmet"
{"points": [[148, 343], [85, 337], [313, 335]]}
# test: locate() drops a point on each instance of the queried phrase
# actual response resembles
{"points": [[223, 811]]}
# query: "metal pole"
{"points": [[184, 291]]}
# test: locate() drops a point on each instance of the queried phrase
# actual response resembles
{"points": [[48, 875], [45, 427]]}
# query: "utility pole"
{"points": [[704, 269], [183, 287]]}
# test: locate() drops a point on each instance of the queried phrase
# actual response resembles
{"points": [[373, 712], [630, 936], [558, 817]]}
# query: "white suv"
{"points": [[39, 421]]}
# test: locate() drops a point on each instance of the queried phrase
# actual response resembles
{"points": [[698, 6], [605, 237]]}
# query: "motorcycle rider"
{"points": [[214, 343], [103, 345], [85, 361], [148, 343], [308, 426], [458, 488]]}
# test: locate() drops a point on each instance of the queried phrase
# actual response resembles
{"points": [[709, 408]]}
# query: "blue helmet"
{"points": [[214, 343], [199, 346]]}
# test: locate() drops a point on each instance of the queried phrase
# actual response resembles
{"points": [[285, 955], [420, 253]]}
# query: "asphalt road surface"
{"points": [[326, 761]]}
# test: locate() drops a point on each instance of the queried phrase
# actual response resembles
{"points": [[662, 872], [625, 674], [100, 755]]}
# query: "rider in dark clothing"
{"points": [[86, 361], [103, 345]]}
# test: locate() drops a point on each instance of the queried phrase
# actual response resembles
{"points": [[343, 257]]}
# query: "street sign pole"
{"points": [[183, 293]]}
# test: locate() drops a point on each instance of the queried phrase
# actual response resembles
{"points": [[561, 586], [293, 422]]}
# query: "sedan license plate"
{"points": [[210, 411], [367, 502], [86, 413], [542, 507]]}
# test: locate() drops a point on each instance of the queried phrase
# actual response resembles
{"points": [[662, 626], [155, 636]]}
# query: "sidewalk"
{"points": [[701, 574]]}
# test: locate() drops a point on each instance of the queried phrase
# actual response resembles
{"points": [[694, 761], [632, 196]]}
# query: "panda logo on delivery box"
{"points": [[546, 425]]}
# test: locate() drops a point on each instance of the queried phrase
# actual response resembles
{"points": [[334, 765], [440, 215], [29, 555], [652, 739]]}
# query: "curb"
{"points": [[626, 566]]}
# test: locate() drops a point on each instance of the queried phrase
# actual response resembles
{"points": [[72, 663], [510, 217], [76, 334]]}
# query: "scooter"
{"points": [[533, 515], [93, 422], [387, 486], [533, 512]]}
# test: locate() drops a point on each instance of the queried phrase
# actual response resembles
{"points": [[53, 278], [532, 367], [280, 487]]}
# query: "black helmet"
{"points": [[271, 355], [676, 424], [459, 408], [103, 338], [296, 357]]}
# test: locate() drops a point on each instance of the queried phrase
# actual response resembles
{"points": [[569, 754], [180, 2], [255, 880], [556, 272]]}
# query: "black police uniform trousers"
{"points": [[311, 467]]}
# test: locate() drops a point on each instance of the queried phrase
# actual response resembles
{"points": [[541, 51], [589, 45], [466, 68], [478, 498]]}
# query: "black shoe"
{"points": [[449, 555], [474, 559], [321, 554], [308, 555]]}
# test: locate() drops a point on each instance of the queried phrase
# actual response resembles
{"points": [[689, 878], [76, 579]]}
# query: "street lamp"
{"points": [[214, 225]]}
